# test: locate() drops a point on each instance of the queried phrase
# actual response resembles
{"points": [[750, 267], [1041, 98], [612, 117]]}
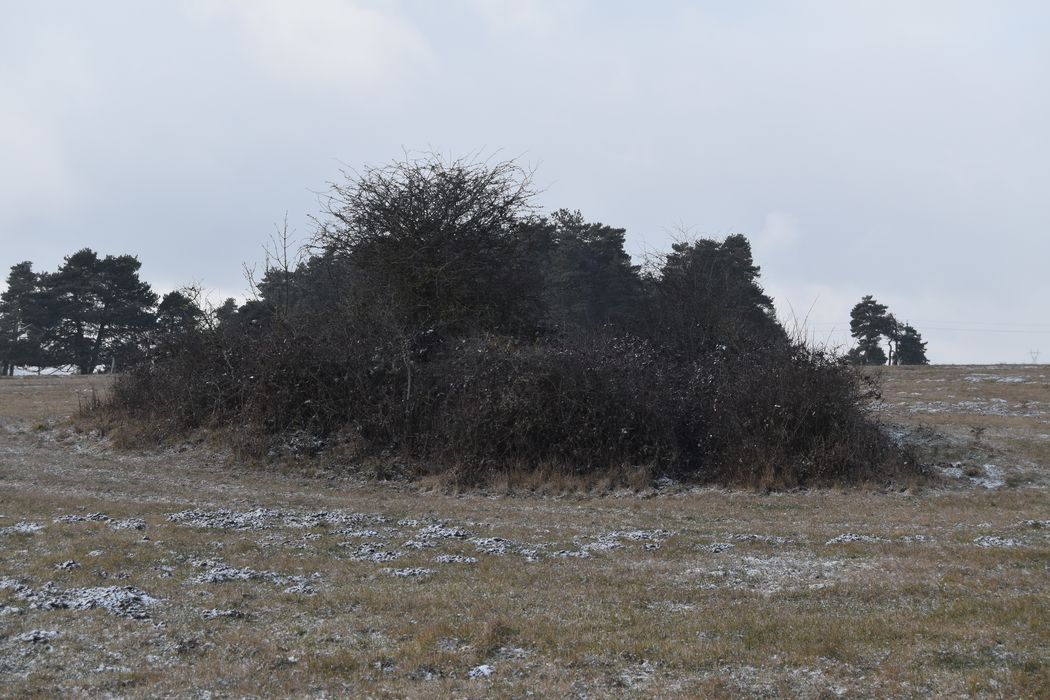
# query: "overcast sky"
{"points": [[899, 149]]}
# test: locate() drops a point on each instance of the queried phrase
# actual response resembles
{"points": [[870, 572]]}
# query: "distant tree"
{"points": [[19, 312], [869, 322], [93, 308], [590, 279], [911, 350]]}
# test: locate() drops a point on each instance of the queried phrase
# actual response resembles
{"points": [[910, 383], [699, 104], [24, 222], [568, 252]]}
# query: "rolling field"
{"points": [[175, 572]]}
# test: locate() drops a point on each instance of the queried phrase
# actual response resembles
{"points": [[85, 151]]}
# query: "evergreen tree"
{"points": [[93, 308], [178, 312], [868, 323], [19, 333], [589, 280], [707, 294], [911, 350], [226, 313]]}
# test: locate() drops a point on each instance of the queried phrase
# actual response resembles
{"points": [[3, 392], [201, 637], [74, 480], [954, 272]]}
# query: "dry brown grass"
{"points": [[781, 613]]}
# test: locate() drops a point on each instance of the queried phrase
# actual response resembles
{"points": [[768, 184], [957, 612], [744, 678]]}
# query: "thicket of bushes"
{"points": [[439, 320]]}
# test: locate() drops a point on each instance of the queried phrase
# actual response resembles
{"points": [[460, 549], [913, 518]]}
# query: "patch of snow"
{"points": [[439, 532], [995, 378], [128, 524], [375, 553], [300, 588], [219, 572], [491, 545], [992, 479], [642, 535], [768, 575], [717, 547], [750, 537], [849, 538], [36, 636], [216, 613], [482, 671], [22, 527], [360, 534], [605, 543], [262, 518], [570, 554], [411, 572], [990, 541], [455, 559], [124, 601]]}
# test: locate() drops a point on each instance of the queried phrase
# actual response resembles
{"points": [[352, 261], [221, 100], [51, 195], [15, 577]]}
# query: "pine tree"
{"points": [[19, 334], [589, 277], [869, 322], [911, 350], [94, 308], [178, 312]]}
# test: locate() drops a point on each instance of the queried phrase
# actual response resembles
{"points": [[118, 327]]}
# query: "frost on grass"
{"points": [[751, 537], [124, 601], [991, 541], [125, 524], [216, 613], [36, 637], [23, 527], [605, 543], [411, 572], [981, 407], [440, 532], [998, 379], [493, 545], [771, 574], [570, 554], [642, 535], [851, 538], [455, 559], [717, 547], [218, 572], [263, 518], [375, 553]]}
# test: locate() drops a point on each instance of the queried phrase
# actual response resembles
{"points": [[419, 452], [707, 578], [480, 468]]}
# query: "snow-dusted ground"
{"points": [[174, 573]]}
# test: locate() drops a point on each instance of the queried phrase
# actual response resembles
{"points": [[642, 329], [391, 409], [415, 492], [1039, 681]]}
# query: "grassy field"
{"points": [[175, 572]]}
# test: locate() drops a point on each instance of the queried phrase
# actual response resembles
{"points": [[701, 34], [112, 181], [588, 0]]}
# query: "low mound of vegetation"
{"points": [[439, 321]]}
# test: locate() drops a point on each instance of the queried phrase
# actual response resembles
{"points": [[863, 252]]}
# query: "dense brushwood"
{"points": [[441, 322]]}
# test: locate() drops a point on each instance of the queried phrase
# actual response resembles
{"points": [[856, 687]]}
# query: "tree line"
{"points": [[92, 313]]}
